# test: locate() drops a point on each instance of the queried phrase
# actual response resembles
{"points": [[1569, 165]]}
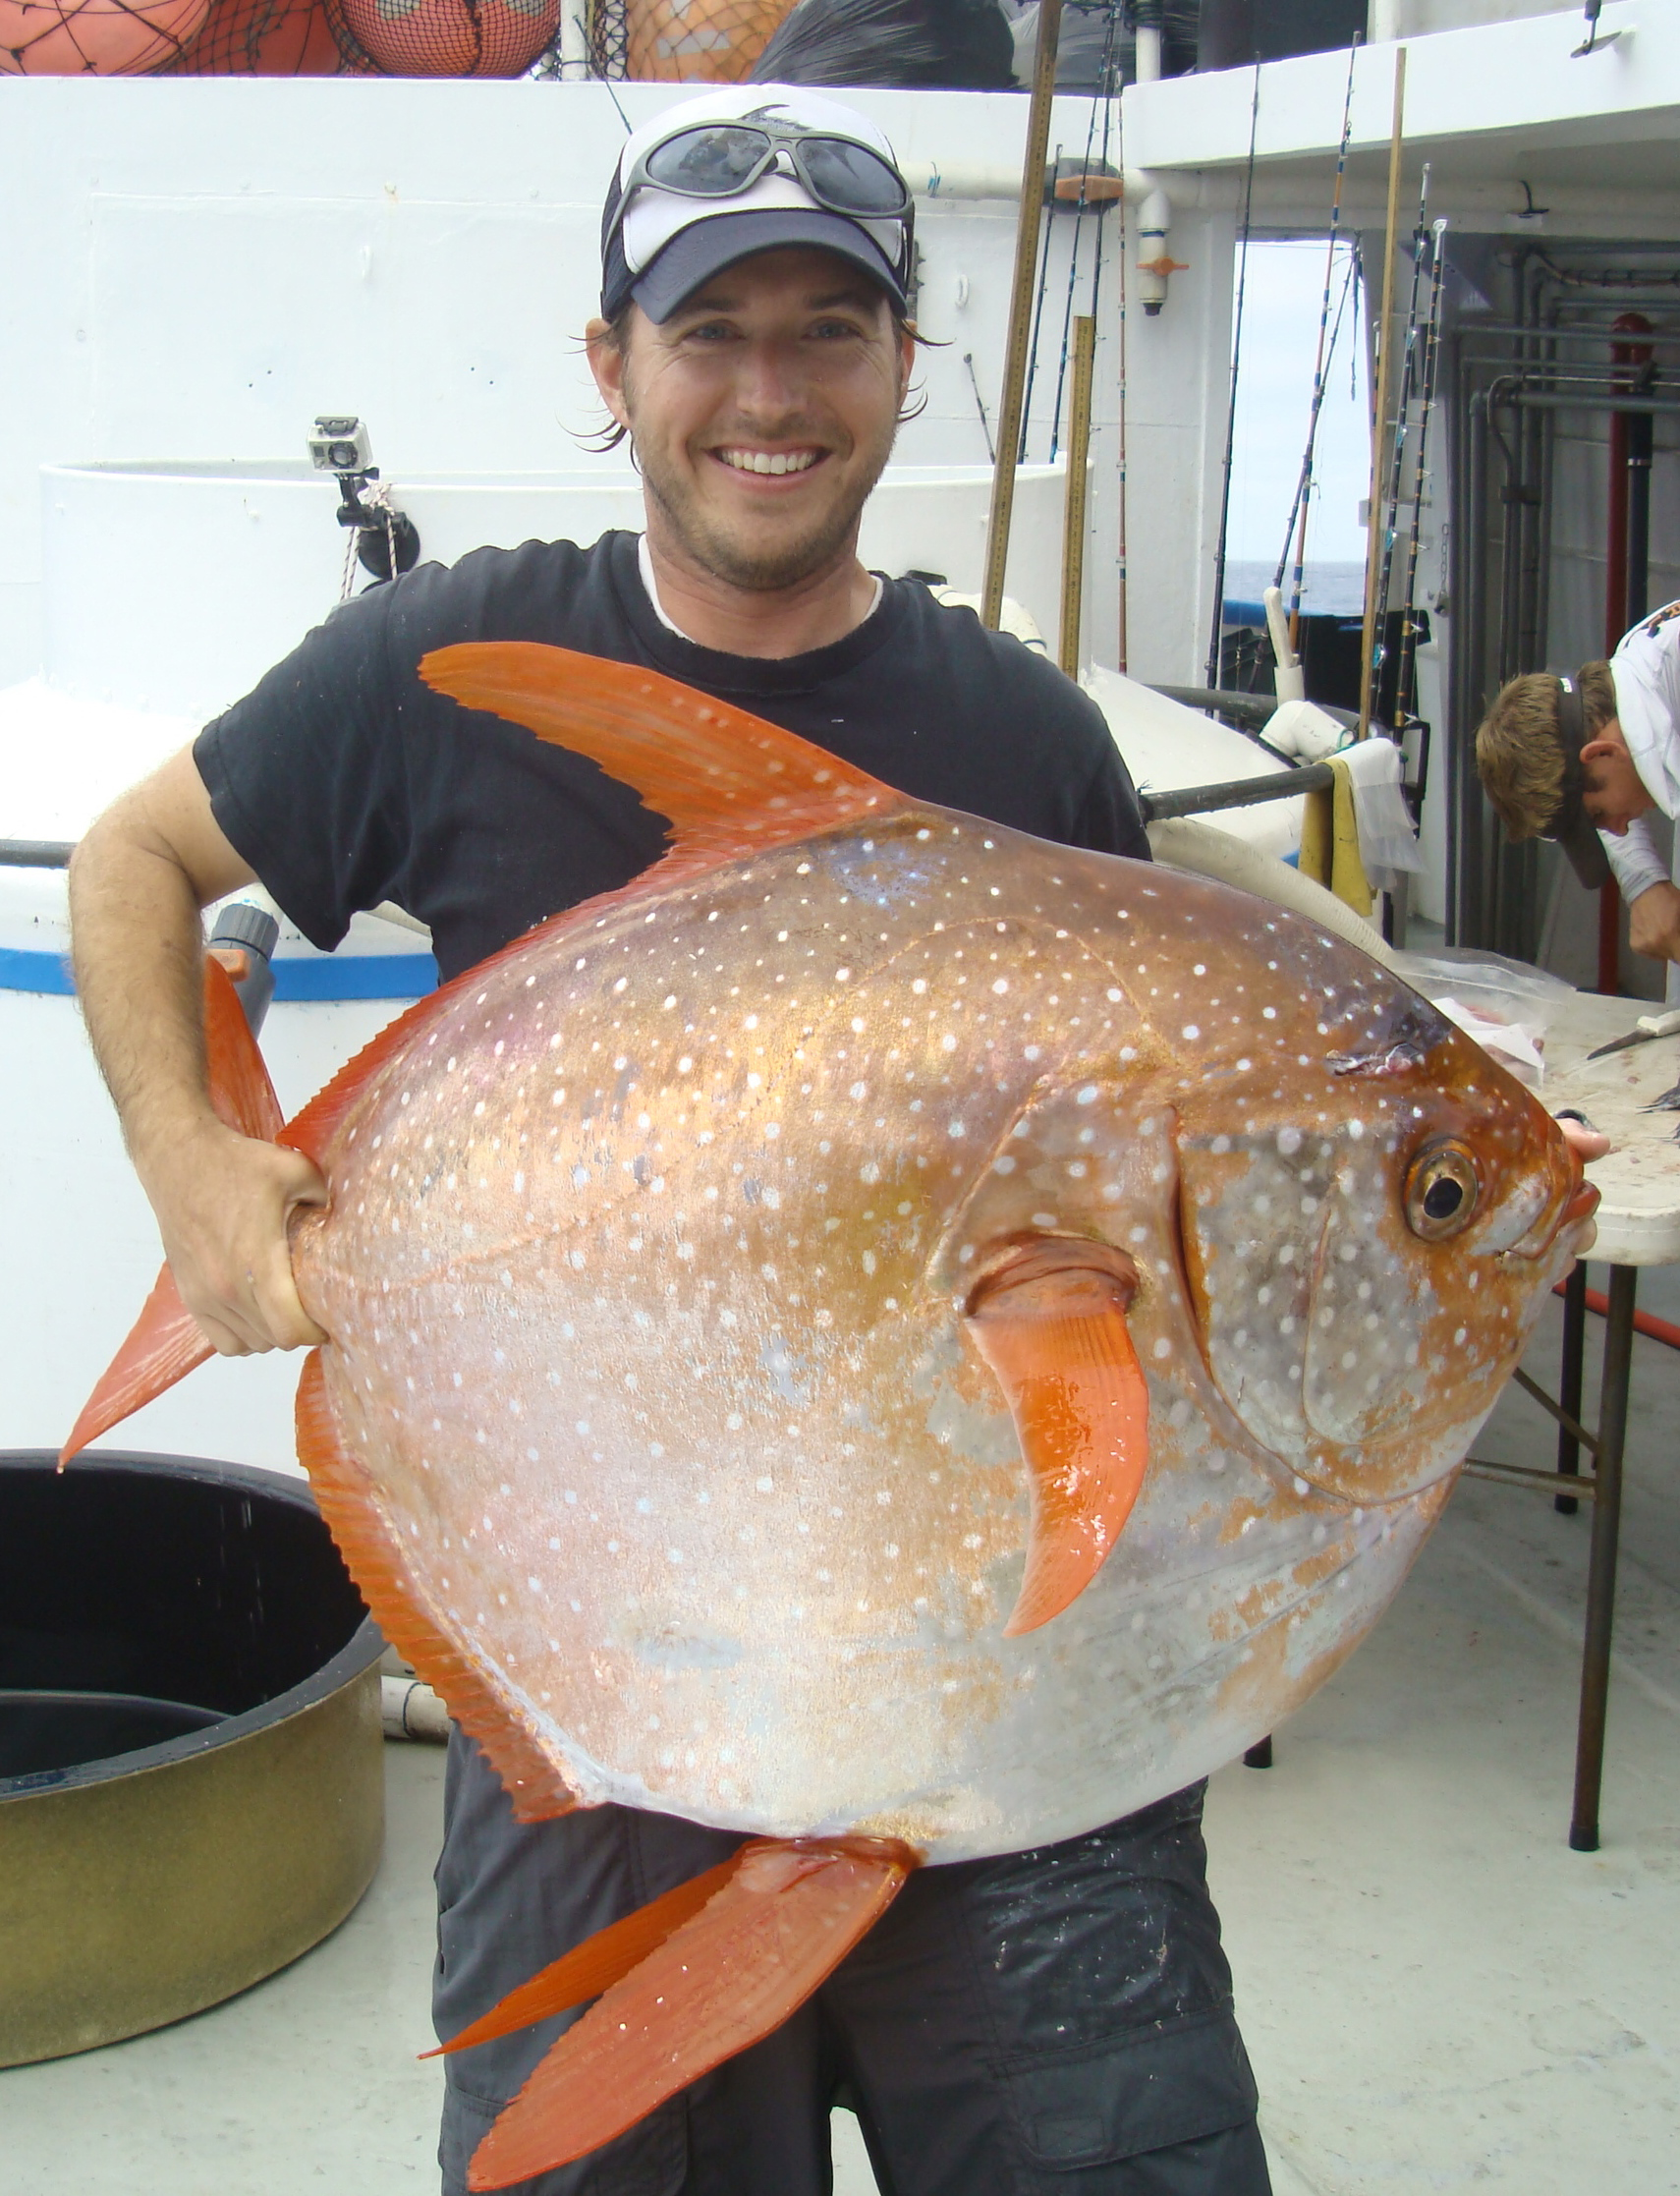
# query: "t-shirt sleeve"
{"points": [[1110, 820], [307, 778]]}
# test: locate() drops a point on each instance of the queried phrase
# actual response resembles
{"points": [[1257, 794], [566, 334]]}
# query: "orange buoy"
{"points": [[699, 41], [446, 37], [94, 37]]}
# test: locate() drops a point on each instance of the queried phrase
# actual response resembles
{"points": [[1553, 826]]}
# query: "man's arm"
{"points": [[138, 882], [1653, 903]]}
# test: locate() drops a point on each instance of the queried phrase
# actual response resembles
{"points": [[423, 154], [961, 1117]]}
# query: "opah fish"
{"points": [[886, 1335]]}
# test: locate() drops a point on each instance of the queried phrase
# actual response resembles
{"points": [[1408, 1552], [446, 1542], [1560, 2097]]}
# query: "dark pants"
{"points": [[1052, 2023]]}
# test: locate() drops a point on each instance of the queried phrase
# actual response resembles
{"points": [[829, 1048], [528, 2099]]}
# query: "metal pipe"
{"points": [[36, 854], [1020, 309], [1574, 1292], [1547, 400], [1074, 515], [1236, 793], [1602, 1563], [1379, 416]]}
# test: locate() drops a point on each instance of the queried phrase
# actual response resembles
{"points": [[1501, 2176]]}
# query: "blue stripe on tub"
{"points": [[348, 976]]}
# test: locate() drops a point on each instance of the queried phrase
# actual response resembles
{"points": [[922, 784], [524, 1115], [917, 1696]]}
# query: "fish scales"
{"points": [[647, 1268]]}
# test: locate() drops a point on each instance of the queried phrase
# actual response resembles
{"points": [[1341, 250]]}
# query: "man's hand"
{"points": [[223, 1202], [1587, 1144], [1654, 922]]}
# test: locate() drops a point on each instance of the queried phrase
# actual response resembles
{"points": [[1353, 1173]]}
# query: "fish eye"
{"points": [[1442, 1191]]}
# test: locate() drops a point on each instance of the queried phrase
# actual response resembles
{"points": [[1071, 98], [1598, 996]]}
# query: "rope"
{"points": [[374, 495]]}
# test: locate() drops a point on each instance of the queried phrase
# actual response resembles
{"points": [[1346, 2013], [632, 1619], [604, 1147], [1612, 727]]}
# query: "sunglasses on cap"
{"points": [[725, 159]]}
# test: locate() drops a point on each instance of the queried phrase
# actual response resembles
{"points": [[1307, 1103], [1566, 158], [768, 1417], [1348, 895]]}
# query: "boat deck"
{"points": [[1436, 1992]]}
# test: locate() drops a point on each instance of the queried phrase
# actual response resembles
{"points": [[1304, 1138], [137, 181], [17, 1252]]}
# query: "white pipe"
{"points": [[411, 1709], [573, 44], [1149, 51], [1220, 191], [1289, 681], [1154, 261]]}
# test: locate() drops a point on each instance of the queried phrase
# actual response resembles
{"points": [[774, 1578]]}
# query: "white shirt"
{"points": [[1645, 671]]}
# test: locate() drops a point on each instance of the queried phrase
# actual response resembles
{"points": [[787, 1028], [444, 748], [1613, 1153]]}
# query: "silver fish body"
{"points": [[649, 1271]]}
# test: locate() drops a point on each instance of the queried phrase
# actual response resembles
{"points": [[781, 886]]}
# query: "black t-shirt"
{"points": [[344, 780]]}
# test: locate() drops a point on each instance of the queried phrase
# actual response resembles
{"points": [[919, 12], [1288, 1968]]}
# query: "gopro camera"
{"points": [[341, 444]]}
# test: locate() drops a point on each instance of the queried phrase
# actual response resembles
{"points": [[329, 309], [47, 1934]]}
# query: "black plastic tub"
{"points": [[192, 1785]]}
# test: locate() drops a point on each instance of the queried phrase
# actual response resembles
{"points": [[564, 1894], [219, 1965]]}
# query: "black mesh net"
{"points": [[444, 37], [698, 42], [607, 38], [95, 37], [263, 38]]}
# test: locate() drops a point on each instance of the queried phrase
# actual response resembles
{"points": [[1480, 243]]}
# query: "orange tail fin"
{"points": [[783, 1921], [166, 1342], [1052, 1326], [594, 1965]]}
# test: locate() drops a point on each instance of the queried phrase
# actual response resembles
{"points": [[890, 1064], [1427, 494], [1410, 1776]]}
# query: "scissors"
{"points": [[1648, 1026]]}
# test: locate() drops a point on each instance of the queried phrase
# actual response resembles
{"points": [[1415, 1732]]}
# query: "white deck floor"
{"points": [[1436, 1992]]}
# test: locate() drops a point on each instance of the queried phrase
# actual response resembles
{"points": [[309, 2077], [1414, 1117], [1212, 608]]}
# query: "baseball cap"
{"points": [[660, 246], [1571, 826]]}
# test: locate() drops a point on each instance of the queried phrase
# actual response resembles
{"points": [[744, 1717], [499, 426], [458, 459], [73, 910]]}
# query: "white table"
{"points": [[1638, 1224]]}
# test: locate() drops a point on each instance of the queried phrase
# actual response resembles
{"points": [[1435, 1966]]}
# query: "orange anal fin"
{"points": [[784, 1920], [376, 1560], [1052, 1326], [730, 783], [594, 1965], [240, 1088], [164, 1344]]}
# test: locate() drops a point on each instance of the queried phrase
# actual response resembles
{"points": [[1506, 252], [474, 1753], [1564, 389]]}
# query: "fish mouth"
{"points": [[1574, 1209]]}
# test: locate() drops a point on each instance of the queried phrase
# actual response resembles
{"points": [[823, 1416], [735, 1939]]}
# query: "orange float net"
{"points": [[263, 38], [699, 41], [95, 37], [444, 37]]}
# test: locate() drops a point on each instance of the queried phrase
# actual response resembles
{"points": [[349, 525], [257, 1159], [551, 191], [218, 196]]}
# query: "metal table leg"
{"points": [[1601, 1564], [1569, 1379]]}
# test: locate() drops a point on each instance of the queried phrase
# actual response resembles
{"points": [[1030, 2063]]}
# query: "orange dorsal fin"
{"points": [[1051, 1323], [731, 784], [166, 1342], [594, 1965], [374, 1558], [785, 1918]]}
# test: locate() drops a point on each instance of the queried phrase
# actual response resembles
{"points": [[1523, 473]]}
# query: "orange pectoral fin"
{"points": [[166, 1342], [1051, 1323], [596, 1964], [785, 1918]]}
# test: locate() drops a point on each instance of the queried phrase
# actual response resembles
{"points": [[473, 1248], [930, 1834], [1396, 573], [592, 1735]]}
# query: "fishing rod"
{"points": [[1321, 369], [1120, 430], [1405, 684], [1213, 679], [1409, 387], [1038, 325], [1081, 206]]}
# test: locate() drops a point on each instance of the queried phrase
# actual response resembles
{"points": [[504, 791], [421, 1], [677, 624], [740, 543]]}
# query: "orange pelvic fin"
{"points": [[594, 1965], [731, 784], [374, 1559], [1051, 1323], [785, 1918], [166, 1342]]}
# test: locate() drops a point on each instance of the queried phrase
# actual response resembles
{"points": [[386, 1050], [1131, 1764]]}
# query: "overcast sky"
{"points": [[1275, 392]]}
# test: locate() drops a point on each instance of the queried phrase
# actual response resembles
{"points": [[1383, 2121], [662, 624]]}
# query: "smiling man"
{"points": [[1053, 2020]]}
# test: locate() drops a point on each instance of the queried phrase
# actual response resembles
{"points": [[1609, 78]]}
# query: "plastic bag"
{"points": [[1506, 1007], [1388, 841]]}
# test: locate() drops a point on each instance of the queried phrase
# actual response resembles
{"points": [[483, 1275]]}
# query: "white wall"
{"points": [[194, 268]]}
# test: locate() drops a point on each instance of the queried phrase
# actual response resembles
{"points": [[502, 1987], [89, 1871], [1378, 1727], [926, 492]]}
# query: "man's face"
{"points": [[1612, 793], [763, 414]]}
